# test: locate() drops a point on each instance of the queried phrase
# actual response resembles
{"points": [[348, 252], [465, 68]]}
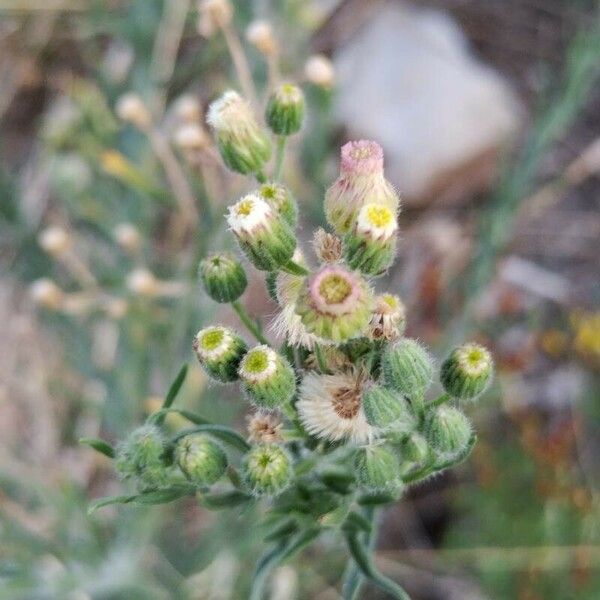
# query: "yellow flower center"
{"points": [[244, 208], [475, 359], [361, 153], [390, 300], [256, 361], [379, 216], [335, 288], [212, 339]]}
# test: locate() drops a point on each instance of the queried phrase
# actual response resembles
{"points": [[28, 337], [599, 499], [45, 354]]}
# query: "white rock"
{"points": [[408, 80]]}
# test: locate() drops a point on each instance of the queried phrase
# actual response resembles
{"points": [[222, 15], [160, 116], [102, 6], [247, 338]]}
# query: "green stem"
{"points": [[321, 361], [353, 578], [439, 400], [294, 268], [247, 320], [279, 156]]}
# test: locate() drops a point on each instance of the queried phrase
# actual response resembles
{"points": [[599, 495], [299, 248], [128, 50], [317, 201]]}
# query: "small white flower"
{"points": [[376, 221], [259, 364], [250, 213], [288, 325], [226, 112], [330, 407], [213, 343]]}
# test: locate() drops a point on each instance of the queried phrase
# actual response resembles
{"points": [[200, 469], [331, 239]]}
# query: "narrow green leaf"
{"points": [[218, 501], [173, 391], [285, 529], [94, 506], [192, 417], [145, 498], [99, 446], [356, 522]]}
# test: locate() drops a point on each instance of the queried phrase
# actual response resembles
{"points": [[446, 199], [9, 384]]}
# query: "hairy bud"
{"points": [[448, 431], [285, 109], [220, 351], [223, 277], [467, 372], [278, 197], [388, 319], [384, 407], [201, 459], [377, 468], [328, 247], [267, 470]]}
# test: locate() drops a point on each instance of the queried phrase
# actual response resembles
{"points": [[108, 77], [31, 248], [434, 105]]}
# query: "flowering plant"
{"points": [[342, 422]]}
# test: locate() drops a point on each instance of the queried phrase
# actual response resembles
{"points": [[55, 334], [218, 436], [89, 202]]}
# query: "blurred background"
{"points": [[489, 114]]}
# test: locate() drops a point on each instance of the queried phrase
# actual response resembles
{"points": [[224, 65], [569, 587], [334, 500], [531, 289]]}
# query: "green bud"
{"points": [[467, 372], [415, 448], [448, 431], [243, 145], [383, 408], [268, 379], [220, 351], [264, 236], [285, 109], [407, 368], [377, 468], [267, 470], [201, 459], [141, 457], [278, 197], [223, 277], [370, 246]]}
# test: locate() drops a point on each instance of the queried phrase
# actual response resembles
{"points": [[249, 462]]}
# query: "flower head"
{"points": [[448, 431], [201, 459], [467, 372], [388, 319], [268, 379], [328, 247], [267, 470], [219, 351], [264, 427], [378, 468], [223, 277], [264, 236], [361, 181], [278, 197], [243, 145], [330, 407], [335, 304], [319, 70], [285, 109]]}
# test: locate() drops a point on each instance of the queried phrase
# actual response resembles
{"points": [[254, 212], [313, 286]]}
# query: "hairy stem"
{"points": [[279, 156], [247, 320]]}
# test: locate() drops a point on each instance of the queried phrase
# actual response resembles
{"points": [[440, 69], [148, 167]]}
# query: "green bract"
{"points": [[223, 277]]}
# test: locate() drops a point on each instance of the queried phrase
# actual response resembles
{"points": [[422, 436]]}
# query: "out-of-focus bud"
{"points": [[268, 379], [361, 181], [128, 237], [467, 372], [264, 237], [220, 351], [278, 197], [328, 247], [264, 428], [260, 34], [223, 277], [243, 145], [213, 14], [415, 448], [335, 304], [201, 459], [448, 431], [285, 109], [142, 282], [319, 70], [55, 241], [384, 407], [44, 292], [142, 457], [388, 320], [407, 368], [377, 468], [116, 308], [131, 109], [187, 109], [190, 138], [370, 246], [267, 470]]}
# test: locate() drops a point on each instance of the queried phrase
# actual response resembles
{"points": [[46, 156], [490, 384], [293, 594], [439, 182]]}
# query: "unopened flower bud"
{"points": [[370, 246], [415, 448], [335, 304], [116, 308], [201, 459], [128, 237], [131, 109], [190, 137], [142, 457], [264, 237], [361, 181], [448, 431], [467, 372], [285, 109], [46, 293], [55, 241], [388, 319], [243, 145], [383, 408], [278, 197], [223, 277], [260, 34], [268, 379], [377, 468], [143, 283], [318, 69], [220, 351], [265, 428], [213, 14], [327, 246], [407, 368], [267, 470]]}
